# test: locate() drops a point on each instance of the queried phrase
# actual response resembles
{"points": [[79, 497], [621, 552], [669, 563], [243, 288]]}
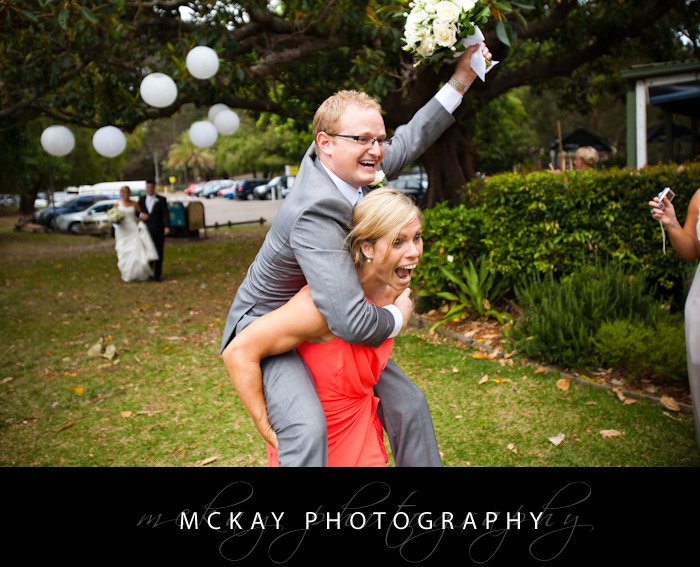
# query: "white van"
{"points": [[138, 188]]}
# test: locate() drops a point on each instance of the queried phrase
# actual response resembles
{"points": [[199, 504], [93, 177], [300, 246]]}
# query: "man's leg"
{"points": [[158, 264], [295, 411], [403, 411]]}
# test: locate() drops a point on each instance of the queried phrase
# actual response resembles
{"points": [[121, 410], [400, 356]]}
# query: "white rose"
{"points": [[427, 46], [445, 33], [447, 11], [431, 5], [417, 20], [465, 5]]}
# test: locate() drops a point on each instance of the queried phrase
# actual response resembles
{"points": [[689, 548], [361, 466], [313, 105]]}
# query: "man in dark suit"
{"points": [[307, 243], [154, 212]]}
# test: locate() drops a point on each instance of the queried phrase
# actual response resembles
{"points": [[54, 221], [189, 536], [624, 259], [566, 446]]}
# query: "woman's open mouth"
{"points": [[404, 272]]}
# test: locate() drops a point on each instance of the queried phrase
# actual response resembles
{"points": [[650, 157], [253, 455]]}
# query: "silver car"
{"points": [[71, 222]]}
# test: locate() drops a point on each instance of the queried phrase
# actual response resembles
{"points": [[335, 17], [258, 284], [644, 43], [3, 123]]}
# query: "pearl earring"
{"points": [[369, 259]]}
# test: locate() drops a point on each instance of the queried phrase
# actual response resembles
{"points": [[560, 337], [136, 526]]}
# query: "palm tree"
{"points": [[185, 155]]}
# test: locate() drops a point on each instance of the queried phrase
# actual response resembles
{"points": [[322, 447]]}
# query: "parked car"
{"points": [[45, 216], [211, 188], [9, 200], [278, 184], [415, 185], [71, 222], [245, 189], [194, 187], [229, 192]]}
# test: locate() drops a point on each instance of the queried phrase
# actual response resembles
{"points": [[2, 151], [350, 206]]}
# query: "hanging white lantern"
{"points": [[57, 140], [202, 62], [109, 141], [214, 110], [203, 133], [158, 89], [227, 122]]}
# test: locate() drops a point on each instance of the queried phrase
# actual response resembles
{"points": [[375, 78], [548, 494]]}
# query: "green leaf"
{"points": [[524, 5], [63, 19], [88, 15], [502, 34], [29, 16]]}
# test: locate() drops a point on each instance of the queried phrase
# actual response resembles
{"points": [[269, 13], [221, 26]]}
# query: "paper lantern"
{"points": [[109, 141], [158, 89], [214, 110], [202, 62], [57, 140], [227, 122], [203, 133]]}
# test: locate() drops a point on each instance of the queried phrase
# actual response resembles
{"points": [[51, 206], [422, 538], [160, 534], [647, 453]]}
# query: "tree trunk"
{"points": [[450, 163], [26, 200]]}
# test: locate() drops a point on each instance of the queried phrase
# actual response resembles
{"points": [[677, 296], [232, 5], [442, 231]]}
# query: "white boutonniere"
{"points": [[379, 180]]}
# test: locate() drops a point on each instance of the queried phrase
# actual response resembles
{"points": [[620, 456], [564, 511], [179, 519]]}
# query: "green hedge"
{"points": [[545, 223]]}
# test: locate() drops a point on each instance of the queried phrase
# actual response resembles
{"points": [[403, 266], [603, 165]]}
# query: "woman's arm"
{"points": [[683, 239], [274, 333]]}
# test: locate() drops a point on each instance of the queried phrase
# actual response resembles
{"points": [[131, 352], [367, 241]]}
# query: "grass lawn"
{"points": [[165, 399]]}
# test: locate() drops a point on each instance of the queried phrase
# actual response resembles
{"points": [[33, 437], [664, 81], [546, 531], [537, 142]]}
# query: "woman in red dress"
{"points": [[385, 244]]}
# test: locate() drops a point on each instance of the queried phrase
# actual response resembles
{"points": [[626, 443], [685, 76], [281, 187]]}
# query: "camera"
{"points": [[668, 193]]}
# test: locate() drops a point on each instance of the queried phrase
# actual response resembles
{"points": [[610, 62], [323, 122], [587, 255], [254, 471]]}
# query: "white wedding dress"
{"points": [[692, 341], [134, 246]]}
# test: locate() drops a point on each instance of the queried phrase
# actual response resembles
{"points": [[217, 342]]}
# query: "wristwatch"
{"points": [[461, 87]]}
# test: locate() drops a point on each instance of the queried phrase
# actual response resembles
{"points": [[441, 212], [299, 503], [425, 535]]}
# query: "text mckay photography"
{"points": [[513, 516]]}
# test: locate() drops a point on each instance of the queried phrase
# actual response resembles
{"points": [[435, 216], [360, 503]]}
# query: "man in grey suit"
{"points": [[307, 244]]}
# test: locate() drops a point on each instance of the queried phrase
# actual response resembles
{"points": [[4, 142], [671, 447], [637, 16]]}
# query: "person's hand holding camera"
{"points": [[664, 211]]}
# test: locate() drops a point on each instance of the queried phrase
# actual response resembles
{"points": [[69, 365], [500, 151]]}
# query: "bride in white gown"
{"points": [[134, 246]]}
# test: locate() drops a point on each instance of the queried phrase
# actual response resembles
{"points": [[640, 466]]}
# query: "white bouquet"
{"points": [[114, 215], [436, 29]]}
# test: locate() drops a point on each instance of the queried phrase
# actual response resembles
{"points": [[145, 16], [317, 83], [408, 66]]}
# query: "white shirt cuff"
{"points": [[448, 97], [398, 319]]}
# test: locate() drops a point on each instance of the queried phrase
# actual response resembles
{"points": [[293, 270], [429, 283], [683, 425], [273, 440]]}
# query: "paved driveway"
{"points": [[221, 210]]}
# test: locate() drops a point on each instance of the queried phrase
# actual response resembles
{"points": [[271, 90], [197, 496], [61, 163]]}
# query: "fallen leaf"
{"points": [[669, 403], [620, 395], [455, 370], [668, 415], [484, 379], [459, 416], [563, 384], [125, 414], [67, 425], [606, 433], [501, 380], [511, 448], [208, 460], [629, 402], [78, 390], [96, 349], [540, 370], [110, 352], [8, 379], [557, 439], [481, 356]]}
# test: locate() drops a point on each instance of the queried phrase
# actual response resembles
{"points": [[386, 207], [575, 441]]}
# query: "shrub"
{"points": [[560, 318], [472, 292], [451, 237], [543, 223], [643, 351]]}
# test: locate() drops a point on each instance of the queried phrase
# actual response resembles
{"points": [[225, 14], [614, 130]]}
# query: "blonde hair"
{"points": [[329, 113], [588, 155], [381, 212]]}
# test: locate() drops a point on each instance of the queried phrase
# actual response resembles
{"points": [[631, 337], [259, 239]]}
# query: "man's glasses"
{"points": [[364, 140]]}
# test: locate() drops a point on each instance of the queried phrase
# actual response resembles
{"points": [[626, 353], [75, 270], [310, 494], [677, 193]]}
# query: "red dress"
{"points": [[345, 375]]}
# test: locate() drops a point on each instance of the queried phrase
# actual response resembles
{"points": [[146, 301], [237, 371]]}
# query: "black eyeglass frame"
{"points": [[363, 140]]}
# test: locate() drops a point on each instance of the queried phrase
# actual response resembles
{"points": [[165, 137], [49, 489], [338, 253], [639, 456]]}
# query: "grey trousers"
{"points": [[297, 416]]}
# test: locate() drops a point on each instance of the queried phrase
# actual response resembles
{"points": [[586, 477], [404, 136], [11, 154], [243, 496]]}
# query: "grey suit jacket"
{"points": [[307, 244]]}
